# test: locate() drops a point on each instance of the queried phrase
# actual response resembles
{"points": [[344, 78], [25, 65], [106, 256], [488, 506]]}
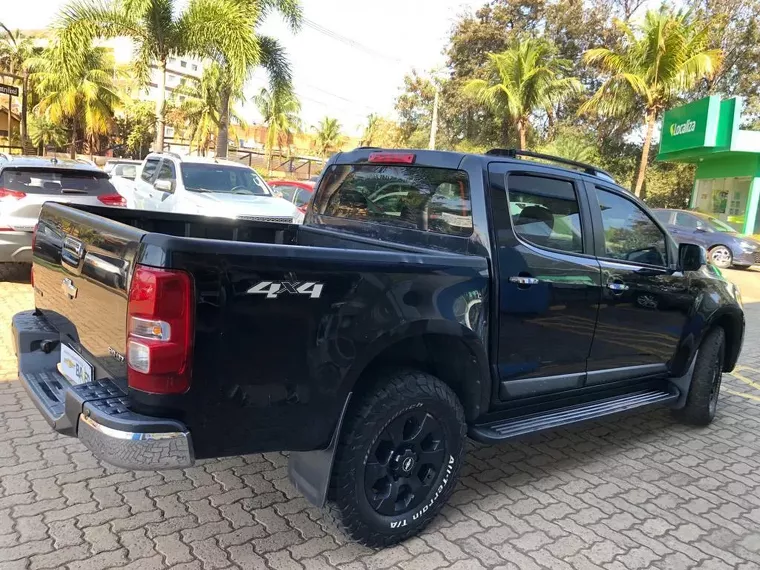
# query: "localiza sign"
{"points": [[688, 126]]}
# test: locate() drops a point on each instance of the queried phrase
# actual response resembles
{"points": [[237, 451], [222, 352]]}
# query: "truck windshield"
{"points": [[414, 197], [202, 177]]}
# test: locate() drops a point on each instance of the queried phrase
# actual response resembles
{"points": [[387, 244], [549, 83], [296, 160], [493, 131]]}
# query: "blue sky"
{"points": [[333, 77]]}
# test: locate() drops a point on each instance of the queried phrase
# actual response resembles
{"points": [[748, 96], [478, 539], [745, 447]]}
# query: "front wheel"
{"points": [[702, 399], [398, 459], [721, 256]]}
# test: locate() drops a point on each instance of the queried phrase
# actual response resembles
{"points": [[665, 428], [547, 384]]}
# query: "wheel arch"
{"points": [[733, 326], [451, 352]]}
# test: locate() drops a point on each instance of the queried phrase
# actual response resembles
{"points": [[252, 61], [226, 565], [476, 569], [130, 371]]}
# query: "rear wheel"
{"points": [[721, 256], [702, 399], [398, 459]]}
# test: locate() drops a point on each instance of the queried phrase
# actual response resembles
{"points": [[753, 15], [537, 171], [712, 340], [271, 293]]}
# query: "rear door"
{"points": [[549, 279], [144, 199], [645, 299]]}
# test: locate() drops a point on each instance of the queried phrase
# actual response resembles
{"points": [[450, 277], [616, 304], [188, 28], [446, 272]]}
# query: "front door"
{"points": [[549, 280], [645, 299], [144, 185]]}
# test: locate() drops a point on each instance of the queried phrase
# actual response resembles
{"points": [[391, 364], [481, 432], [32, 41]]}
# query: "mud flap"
{"points": [[310, 471], [683, 383]]}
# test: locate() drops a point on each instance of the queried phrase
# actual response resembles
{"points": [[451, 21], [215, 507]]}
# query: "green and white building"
{"points": [[727, 182]]}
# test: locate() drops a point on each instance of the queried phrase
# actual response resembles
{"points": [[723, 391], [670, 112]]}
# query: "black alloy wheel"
{"points": [[404, 463]]}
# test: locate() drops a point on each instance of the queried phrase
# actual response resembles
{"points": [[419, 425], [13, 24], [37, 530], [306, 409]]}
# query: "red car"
{"points": [[297, 191]]}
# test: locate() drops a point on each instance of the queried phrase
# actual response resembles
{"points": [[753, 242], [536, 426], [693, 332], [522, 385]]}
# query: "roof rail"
{"points": [[514, 153]]}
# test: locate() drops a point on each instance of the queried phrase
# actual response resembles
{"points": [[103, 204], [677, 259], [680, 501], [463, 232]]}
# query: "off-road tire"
{"points": [[701, 401], [396, 394]]}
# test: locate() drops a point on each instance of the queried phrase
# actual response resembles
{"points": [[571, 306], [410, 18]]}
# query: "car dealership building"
{"points": [[727, 182]]}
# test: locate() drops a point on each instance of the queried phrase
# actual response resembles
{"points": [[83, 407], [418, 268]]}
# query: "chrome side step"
{"points": [[505, 429]]}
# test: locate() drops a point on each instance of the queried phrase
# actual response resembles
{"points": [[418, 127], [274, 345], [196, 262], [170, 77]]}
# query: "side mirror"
{"points": [[691, 257], [164, 185]]}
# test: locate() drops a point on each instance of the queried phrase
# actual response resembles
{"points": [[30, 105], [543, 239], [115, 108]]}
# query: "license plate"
{"points": [[75, 368]]}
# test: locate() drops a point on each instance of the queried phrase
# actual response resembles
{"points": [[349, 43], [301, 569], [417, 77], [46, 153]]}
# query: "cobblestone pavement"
{"points": [[637, 491]]}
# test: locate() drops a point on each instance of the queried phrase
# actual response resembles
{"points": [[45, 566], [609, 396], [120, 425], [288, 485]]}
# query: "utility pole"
{"points": [[434, 123]]}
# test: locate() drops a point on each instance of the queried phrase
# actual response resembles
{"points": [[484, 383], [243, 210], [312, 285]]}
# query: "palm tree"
{"points": [[329, 136], [239, 60], [280, 110], [370, 130], [199, 108], [15, 50], [526, 78], [82, 94], [668, 56], [44, 132], [159, 29]]}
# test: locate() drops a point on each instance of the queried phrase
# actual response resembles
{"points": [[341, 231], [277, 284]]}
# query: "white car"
{"points": [[123, 174], [168, 182]]}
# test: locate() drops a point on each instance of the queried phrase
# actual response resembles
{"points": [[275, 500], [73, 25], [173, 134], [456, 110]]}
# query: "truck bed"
{"points": [[262, 363]]}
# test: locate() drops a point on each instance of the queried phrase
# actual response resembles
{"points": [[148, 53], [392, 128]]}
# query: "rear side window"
{"points": [[428, 199], [52, 181], [663, 216], [545, 212]]}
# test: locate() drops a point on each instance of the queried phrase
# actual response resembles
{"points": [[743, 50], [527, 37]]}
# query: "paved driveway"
{"points": [[637, 491]]}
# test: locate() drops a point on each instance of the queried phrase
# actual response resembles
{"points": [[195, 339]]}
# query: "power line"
{"points": [[348, 41]]}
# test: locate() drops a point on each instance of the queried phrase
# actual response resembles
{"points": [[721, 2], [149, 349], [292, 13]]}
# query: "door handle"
{"points": [[618, 287], [522, 280]]}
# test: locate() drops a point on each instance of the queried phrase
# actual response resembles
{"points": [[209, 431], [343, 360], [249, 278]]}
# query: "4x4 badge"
{"points": [[273, 288]]}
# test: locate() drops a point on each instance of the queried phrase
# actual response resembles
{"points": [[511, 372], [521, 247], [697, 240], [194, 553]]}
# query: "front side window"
{"points": [[149, 169], [286, 191], [166, 172], [419, 198], [545, 212], [301, 197], [629, 233]]}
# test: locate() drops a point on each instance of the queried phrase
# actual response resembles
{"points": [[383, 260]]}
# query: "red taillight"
{"points": [[113, 200], [160, 330], [392, 157], [8, 195]]}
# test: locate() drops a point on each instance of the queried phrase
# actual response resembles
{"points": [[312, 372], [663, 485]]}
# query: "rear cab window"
{"points": [[56, 181], [413, 197]]}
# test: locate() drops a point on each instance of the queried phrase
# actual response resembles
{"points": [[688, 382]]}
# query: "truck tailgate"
{"points": [[82, 265]]}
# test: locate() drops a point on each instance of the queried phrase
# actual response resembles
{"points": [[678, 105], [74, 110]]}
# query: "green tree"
{"points": [[160, 29], [657, 62], [15, 51], [370, 130], [239, 58], [280, 111], [83, 94], [44, 132], [414, 108], [328, 135], [136, 127], [525, 78]]}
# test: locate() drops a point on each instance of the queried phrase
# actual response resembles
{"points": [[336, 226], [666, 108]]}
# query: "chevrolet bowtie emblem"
{"points": [[68, 287]]}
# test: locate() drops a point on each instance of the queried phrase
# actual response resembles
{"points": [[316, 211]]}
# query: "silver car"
{"points": [[28, 182]]}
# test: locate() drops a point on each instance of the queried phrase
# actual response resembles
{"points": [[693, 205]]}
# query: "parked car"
{"points": [[27, 182], [212, 187], [410, 324], [725, 246], [123, 174], [112, 165], [296, 191]]}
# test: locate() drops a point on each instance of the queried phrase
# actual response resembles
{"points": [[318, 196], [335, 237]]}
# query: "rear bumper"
{"points": [[97, 412], [15, 247]]}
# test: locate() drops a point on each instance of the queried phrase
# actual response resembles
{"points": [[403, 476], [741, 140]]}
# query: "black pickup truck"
{"points": [[428, 296]]}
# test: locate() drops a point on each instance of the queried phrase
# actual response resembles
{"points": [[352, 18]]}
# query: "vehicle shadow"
{"points": [[15, 272]]}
